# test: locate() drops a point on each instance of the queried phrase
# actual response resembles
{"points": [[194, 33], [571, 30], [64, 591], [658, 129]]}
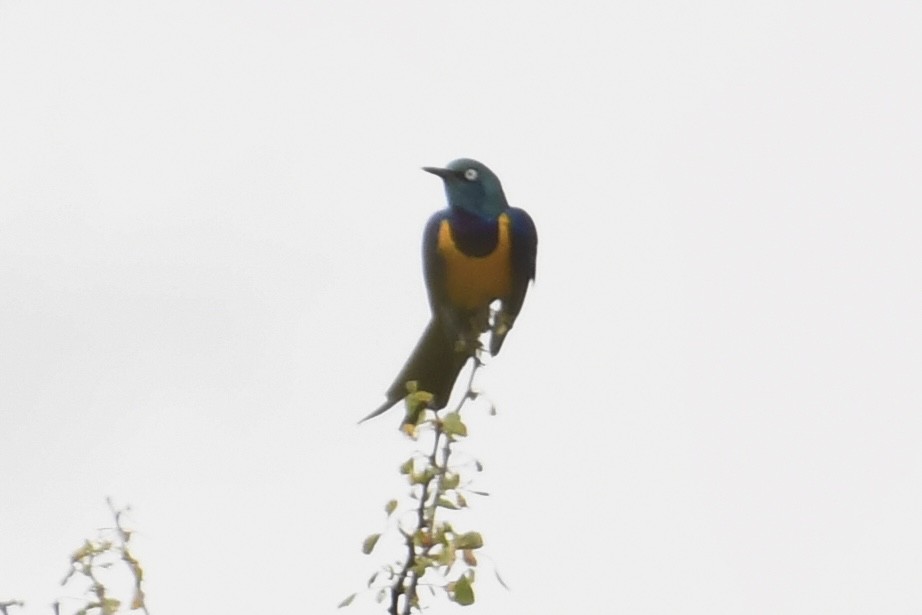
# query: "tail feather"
{"points": [[434, 364]]}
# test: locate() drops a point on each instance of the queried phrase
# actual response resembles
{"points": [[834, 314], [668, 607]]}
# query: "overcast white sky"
{"points": [[210, 216]]}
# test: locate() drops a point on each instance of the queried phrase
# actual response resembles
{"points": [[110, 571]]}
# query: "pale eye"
{"points": [[470, 175]]}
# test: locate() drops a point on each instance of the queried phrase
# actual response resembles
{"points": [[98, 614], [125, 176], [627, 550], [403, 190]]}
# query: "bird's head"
{"points": [[471, 186]]}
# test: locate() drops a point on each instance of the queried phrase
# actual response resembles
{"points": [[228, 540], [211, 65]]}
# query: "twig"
{"points": [[6, 604], [407, 581]]}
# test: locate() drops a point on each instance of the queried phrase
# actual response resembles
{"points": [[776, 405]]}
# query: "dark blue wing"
{"points": [[524, 250], [524, 238], [433, 264]]}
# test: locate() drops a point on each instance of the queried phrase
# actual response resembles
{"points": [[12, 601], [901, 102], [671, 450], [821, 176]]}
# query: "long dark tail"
{"points": [[434, 364]]}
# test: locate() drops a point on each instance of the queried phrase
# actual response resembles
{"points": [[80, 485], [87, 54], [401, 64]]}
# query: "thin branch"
{"points": [[407, 581], [137, 573], [6, 604]]}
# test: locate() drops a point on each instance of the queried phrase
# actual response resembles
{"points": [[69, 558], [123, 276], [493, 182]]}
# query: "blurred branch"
{"points": [[95, 557], [137, 573], [7, 604]]}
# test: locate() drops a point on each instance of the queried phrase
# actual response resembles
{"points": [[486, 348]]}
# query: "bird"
{"points": [[475, 251]]}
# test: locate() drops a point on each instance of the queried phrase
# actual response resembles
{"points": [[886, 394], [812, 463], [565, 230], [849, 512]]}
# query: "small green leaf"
{"points": [[417, 402], [390, 507], [450, 480], [446, 556], [462, 501], [453, 425], [347, 601], [446, 503], [463, 592], [422, 562], [110, 606], [469, 540], [369, 545], [82, 552], [437, 535], [422, 538], [421, 478], [371, 580], [407, 466]]}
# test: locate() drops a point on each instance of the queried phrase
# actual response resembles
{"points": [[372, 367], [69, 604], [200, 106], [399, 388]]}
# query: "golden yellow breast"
{"points": [[473, 282]]}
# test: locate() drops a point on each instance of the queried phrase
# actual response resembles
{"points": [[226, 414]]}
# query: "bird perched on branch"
{"points": [[476, 251]]}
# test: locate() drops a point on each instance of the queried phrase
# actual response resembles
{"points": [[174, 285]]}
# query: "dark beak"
{"points": [[443, 173]]}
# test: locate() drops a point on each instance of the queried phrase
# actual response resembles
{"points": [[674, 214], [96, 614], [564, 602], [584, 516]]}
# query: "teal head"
{"points": [[472, 187]]}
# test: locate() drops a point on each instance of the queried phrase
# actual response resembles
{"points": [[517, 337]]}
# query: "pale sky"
{"points": [[210, 217]]}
